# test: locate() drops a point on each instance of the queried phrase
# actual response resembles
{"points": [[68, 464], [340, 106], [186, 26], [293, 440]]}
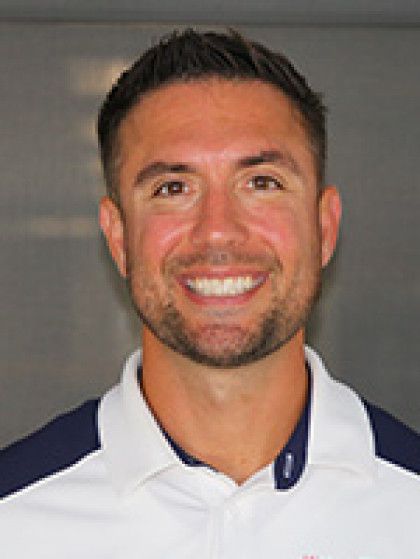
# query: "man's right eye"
{"points": [[170, 188]]}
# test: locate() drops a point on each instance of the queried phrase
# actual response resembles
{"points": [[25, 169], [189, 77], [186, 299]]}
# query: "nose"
{"points": [[219, 221]]}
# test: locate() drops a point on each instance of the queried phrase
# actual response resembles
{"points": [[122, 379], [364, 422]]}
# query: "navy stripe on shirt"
{"points": [[394, 441], [58, 445]]}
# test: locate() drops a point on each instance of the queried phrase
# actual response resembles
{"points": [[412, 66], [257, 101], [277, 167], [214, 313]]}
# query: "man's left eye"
{"points": [[263, 182]]}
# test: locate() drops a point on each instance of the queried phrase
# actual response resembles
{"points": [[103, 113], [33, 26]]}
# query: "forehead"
{"points": [[213, 116]]}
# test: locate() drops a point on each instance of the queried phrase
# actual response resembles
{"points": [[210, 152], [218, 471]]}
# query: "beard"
{"points": [[219, 343]]}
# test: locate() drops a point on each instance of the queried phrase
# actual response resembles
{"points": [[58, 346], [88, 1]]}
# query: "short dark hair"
{"points": [[191, 55]]}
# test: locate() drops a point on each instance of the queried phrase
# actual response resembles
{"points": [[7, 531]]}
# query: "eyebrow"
{"points": [[272, 156], [159, 168], [269, 156]]}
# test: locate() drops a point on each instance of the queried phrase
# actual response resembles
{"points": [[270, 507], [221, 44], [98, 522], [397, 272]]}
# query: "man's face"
{"points": [[222, 238]]}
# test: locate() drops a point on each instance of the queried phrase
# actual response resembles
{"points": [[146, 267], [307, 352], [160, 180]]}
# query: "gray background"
{"points": [[66, 326]]}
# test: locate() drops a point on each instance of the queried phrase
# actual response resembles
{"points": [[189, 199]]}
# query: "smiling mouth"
{"points": [[224, 287]]}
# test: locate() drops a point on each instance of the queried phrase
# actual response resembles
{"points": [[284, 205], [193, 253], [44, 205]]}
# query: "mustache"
{"points": [[219, 257]]}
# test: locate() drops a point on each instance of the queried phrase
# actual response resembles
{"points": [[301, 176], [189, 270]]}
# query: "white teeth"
{"points": [[223, 287]]}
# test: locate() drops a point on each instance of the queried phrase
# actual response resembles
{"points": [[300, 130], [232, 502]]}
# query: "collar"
{"points": [[134, 446], [334, 431], [288, 465], [340, 435]]}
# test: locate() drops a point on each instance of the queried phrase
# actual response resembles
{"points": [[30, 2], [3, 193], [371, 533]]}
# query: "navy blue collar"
{"points": [[289, 464]]}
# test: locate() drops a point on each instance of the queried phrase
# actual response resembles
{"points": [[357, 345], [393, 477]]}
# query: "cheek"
{"points": [[151, 238], [280, 228]]}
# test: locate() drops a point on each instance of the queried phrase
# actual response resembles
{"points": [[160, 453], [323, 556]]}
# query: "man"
{"points": [[226, 437]]}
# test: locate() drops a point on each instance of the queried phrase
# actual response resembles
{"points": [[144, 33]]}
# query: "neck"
{"points": [[236, 420]]}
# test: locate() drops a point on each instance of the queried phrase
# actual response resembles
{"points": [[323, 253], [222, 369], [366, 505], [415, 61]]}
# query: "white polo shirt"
{"points": [[104, 482]]}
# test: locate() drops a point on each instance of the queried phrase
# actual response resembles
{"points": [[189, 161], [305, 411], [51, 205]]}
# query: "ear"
{"points": [[112, 226], [329, 219]]}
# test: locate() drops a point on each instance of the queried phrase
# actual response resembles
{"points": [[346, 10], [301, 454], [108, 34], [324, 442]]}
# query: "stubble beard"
{"points": [[219, 344]]}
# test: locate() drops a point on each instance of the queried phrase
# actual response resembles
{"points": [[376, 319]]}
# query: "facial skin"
{"points": [[217, 181]]}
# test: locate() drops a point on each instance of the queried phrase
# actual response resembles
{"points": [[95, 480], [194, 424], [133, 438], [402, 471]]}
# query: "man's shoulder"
{"points": [[395, 442], [58, 445]]}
